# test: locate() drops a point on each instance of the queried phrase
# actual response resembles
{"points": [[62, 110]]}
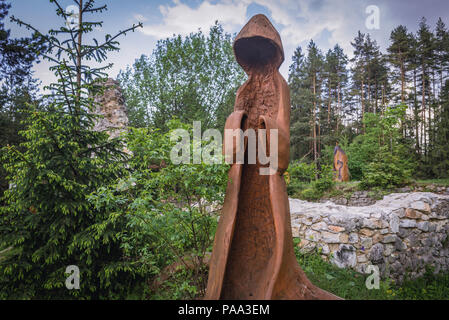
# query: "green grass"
{"points": [[350, 285], [440, 182], [346, 189]]}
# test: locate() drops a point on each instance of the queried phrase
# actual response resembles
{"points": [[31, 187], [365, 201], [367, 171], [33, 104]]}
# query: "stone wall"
{"points": [[403, 233]]}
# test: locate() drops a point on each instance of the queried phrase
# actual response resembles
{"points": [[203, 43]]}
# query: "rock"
{"points": [[388, 249], [413, 240], [353, 238], [378, 238], [404, 232], [324, 249], [407, 223], [306, 246], [398, 233], [412, 214], [110, 103], [424, 226], [329, 237], [295, 232], [376, 254], [366, 232], [389, 238], [312, 235], [342, 201], [366, 242], [394, 224], [319, 226], [336, 228], [399, 245], [372, 223], [344, 238], [345, 256], [420, 206], [362, 258]]}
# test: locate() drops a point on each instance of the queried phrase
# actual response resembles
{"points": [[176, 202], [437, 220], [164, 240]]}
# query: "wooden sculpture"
{"points": [[253, 256], [340, 164]]}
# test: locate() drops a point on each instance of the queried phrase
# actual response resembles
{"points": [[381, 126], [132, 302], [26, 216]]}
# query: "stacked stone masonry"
{"points": [[401, 234]]}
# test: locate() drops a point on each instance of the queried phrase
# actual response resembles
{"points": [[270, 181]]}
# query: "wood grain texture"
{"points": [[253, 256]]}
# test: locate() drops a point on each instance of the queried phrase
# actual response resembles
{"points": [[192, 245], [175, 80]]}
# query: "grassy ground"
{"points": [[346, 189], [350, 285], [440, 182]]}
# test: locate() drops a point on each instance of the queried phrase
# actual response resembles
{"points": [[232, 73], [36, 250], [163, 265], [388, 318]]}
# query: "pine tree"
{"points": [[301, 143], [48, 222], [359, 73], [440, 154], [426, 61], [442, 51], [399, 51], [335, 82]]}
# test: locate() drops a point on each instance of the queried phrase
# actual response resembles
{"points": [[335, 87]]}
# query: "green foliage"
{"points": [[47, 219], [379, 157], [385, 172], [300, 174], [169, 210], [17, 86], [440, 151], [303, 181], [326, 179], [194, 78]]}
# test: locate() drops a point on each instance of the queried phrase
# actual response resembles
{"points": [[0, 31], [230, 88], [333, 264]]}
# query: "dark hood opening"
{"points": [[256, 53]]}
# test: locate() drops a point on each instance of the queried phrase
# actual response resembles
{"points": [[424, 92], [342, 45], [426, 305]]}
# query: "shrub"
{"points": [[326, 180], [386, 172], [300, 175], [169, 212], [379, 157]]}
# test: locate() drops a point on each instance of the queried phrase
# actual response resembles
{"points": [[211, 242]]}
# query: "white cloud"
{"points": [[139, 17], [182, 19], [298, 21]]}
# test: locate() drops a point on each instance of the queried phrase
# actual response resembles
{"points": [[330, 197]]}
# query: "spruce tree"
{"points": [[48, 222]]}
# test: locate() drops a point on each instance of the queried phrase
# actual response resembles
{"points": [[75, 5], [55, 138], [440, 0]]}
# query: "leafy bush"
{"points": [[303, 182], [170, 213], [300, 175], [379, 157], [386, 171], [326, 180]]}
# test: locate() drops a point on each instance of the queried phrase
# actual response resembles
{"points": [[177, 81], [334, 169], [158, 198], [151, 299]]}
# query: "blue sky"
{"points": [[326, 21]]}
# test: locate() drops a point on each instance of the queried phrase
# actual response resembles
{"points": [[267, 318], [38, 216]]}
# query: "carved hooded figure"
{"points": [[340, 164], [253, 256]]}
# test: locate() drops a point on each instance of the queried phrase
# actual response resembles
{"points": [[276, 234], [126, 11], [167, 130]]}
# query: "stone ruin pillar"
{"points": [[111, 104]]}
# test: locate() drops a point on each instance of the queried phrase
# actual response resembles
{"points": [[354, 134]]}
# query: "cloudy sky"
{"points": [[327, 22]]}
